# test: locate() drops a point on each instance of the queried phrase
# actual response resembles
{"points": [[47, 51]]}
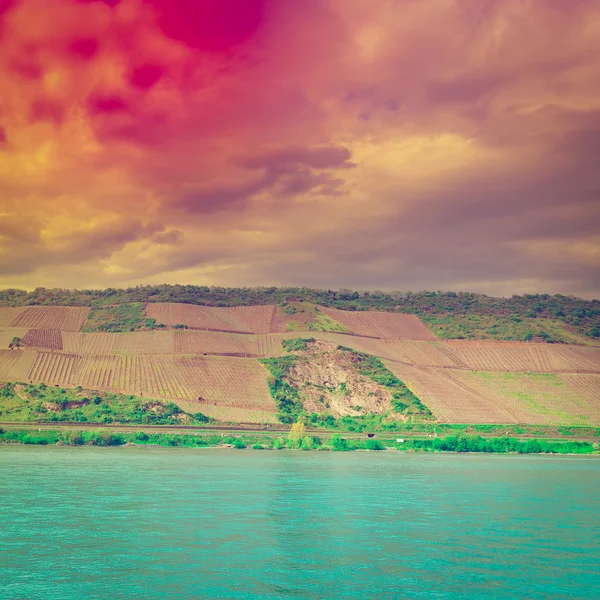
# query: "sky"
{"points": [[363, 144]]}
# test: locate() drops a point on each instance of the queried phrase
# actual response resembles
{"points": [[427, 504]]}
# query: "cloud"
{"points": [[440, 144]]}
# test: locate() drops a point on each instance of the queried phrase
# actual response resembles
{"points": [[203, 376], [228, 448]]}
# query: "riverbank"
{"points": [[336, 443]]}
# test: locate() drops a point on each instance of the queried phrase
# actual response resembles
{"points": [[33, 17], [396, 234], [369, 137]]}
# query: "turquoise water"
{"points": [[175, 523]]}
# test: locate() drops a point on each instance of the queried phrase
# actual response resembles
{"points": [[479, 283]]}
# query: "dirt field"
{"points": [[381, 324], [51, 317]]}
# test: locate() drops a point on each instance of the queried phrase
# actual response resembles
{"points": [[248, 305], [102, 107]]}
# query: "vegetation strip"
{"points": [[31, 402], [298, 440]]}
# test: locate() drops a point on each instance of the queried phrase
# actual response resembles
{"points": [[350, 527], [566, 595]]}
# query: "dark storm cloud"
{"points": [[210, 25]]}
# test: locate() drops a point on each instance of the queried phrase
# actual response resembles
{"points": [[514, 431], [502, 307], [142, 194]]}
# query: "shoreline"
{"points": [[456, 444], [591, 455]]}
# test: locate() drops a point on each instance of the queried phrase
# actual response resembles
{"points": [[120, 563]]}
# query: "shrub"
{"points": [[372, 444], [338, 443]]}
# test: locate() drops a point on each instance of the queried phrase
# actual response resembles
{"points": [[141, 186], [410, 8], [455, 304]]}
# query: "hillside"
{"points": [[220, 362], [449, 315]]}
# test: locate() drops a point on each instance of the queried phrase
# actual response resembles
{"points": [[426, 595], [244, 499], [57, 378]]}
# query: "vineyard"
{"points": [[451, 399], [500, 356], [43, 338], [546, 398], [51, 317], [257, 319], [147, 342], [209, 318], [210, 342], [458, 396], [209, 364], [206, 384], [585, 386], [380, 324]]}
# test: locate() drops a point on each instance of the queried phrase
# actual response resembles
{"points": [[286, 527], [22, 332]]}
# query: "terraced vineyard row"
{"points": [[172, 342], [383, 325], [206, 342], [54, 368], [147, 342], [65, 318], [542, 358], [257, 319]]}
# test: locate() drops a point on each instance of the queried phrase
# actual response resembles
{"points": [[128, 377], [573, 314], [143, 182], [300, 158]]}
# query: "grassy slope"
{"points": [[487, 327], [304, 316], [118, 318], [40, 403], [542, 393]]}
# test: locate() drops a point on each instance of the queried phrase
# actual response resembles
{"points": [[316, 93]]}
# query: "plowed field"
{"points": [[383, 325], [9, 314], [51, 317], [43, 338]]}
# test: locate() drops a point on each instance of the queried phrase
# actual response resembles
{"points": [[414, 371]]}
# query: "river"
{"points": [[138, 522]]}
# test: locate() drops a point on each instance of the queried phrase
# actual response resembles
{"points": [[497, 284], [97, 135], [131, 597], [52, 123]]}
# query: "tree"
{"points": [[298, 431], [15, 343]]}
